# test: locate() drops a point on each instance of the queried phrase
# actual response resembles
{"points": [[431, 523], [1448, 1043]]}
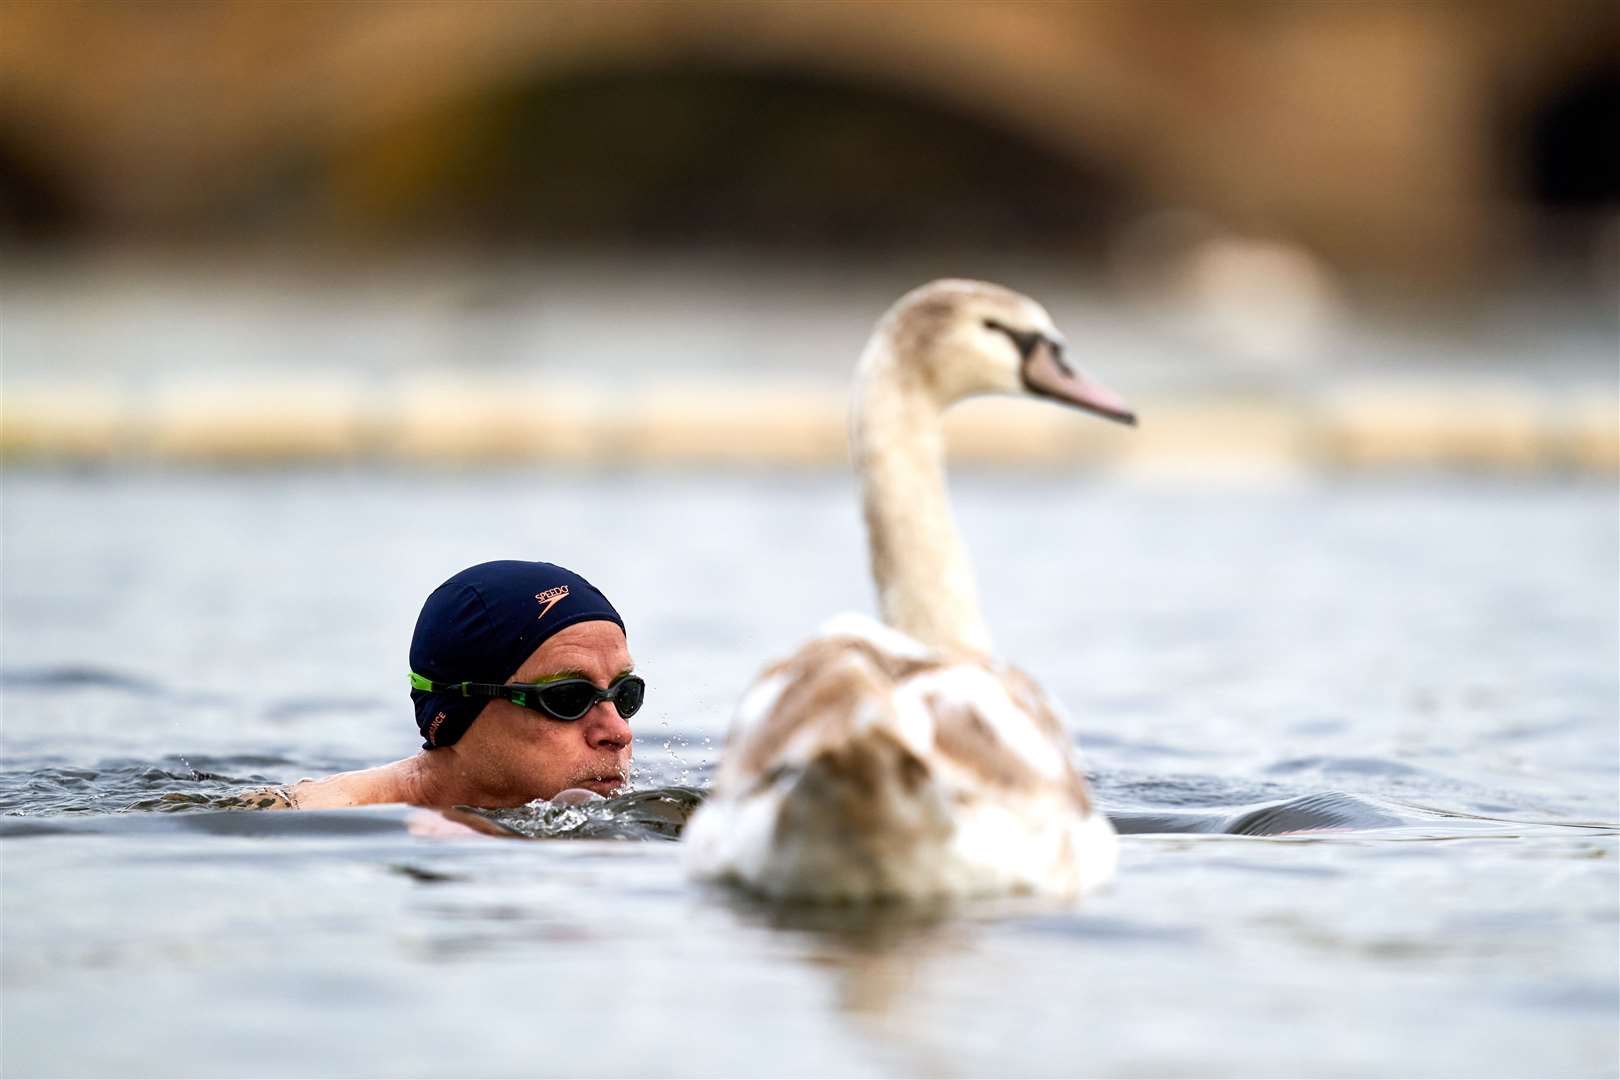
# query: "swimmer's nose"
{"points": [[606, 729]]}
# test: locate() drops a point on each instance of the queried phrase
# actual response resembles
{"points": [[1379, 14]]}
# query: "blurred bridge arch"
{"points": [[1364, 130]]}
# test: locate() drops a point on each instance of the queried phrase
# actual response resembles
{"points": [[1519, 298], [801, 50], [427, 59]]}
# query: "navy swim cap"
{"points": [[482, 624]]}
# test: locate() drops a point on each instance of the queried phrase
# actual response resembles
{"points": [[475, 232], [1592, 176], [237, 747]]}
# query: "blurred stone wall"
{"points": [[1395, 139]]}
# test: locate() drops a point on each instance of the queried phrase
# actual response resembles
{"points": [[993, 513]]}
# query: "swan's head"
{"points": [[959, 338]]}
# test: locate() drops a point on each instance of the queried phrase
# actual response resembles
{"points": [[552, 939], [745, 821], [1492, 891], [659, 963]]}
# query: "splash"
{"points": [[650, 814]]}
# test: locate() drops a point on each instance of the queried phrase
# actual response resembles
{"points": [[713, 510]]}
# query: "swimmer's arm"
{"points": [[327, 793], [362, 787], [269, 798]]}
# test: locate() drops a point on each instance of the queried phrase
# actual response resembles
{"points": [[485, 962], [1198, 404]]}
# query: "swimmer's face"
{"points": [[514, 755]]}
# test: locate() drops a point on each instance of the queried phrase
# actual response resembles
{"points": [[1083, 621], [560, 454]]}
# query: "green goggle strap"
{"points": [[466, 689]]}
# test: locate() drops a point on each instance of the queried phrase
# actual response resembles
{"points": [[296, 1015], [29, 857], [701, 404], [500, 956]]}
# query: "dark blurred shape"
{"points": [[1567, 159], [1575, 144], [36, 203], [744, 160]]}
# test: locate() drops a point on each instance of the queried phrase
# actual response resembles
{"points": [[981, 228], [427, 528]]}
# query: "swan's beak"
{"points": [[1047, 374]]}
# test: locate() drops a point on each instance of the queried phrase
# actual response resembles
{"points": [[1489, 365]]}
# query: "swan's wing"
{"points": [[982, 726], [795, 779], [995, 733], [854, 772], [987, 724], [835, 686]]}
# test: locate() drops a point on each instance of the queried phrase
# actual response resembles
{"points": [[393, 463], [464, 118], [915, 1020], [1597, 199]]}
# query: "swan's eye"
{"points": [[1024, 340], [1056, 349]]}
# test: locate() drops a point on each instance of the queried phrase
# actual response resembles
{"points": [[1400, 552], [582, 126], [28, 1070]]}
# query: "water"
{"points": [[1425, 647]]}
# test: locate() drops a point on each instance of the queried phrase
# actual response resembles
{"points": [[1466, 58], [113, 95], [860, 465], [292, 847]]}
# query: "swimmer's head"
{"points": [[482, 626]]}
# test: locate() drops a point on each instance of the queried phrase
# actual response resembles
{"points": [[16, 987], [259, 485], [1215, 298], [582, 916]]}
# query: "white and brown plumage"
{"points": [[901, 760]]}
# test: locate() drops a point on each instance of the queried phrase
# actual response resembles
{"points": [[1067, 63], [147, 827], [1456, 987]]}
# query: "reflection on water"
{"points": [[882, 966], [1374, 715]]}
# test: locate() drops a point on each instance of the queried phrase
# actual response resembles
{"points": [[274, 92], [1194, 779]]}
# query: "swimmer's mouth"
{"points": [[604, 785]]}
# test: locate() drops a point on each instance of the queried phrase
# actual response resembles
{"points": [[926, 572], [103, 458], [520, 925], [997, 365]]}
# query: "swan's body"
{"points": [[901, 761]]}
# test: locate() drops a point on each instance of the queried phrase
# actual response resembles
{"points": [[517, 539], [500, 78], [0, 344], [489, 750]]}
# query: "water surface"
{"points": [[1429, 647]]}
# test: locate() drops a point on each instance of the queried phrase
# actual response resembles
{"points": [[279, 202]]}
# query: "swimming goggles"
{"points": [[564, 699]]}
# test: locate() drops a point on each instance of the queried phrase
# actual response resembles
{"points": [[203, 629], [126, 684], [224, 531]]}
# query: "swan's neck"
{"points": [[924, 579]]}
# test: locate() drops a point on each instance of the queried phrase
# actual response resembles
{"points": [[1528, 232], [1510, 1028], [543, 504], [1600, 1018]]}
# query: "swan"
{"points": [[901, 760]]}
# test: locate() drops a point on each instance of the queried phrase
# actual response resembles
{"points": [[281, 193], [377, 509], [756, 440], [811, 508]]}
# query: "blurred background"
{"points": [[1294, 234]]}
